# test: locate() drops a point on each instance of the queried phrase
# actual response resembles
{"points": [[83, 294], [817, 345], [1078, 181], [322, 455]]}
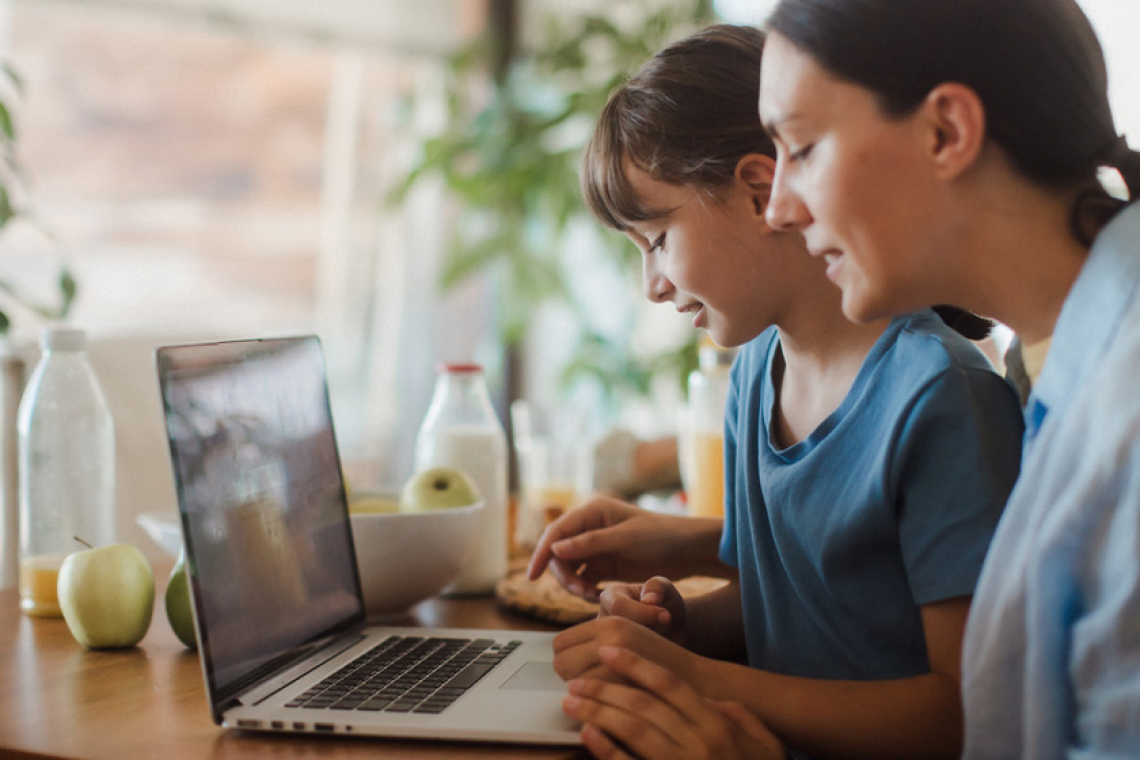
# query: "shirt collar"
{"points": [[1089, 318]]}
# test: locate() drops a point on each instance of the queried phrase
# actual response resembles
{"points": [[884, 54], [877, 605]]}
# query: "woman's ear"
{"points": [[955, 120], [756, 172]]}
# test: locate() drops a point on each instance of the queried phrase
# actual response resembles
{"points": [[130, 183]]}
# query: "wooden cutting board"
{"points": [[544, 599]]}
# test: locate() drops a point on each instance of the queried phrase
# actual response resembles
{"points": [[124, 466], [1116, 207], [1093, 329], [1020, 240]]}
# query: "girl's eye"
{"points": [[655, 245], [800, 154]]}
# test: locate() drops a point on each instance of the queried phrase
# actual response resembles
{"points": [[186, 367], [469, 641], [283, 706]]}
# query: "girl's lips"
{"points": [[698, 312], [699, 318]]}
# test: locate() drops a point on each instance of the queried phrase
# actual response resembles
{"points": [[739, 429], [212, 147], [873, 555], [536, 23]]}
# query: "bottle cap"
{"points": [[63, 339], [456, 369]]}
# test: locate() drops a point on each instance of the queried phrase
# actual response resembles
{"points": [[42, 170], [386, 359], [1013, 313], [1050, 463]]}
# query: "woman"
{"points": [[947, 152], [867, 463]]}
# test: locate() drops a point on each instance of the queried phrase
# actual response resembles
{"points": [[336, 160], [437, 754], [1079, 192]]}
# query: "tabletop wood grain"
{"points": [[60, 700]]}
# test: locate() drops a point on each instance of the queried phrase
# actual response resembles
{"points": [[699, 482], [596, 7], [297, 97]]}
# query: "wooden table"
{"points": [[58, 699]]}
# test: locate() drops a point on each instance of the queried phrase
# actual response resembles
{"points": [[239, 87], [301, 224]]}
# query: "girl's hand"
{"points": [[655, 604], [603, 540], [656, 716]]}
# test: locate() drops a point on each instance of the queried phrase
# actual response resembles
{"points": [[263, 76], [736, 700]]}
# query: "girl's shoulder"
{"points": [[922, 340]]}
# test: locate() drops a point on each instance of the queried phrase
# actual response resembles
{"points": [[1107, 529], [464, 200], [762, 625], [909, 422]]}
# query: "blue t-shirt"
{"points": [[889, 504]]}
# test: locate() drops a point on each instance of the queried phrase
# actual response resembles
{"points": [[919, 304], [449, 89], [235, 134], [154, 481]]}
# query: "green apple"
{"points": [[179, 609], [364, 504], [438, 488], [107, 596]]}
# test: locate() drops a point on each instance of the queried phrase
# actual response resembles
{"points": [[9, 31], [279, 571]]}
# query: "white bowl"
{"points": [[407, 557]]}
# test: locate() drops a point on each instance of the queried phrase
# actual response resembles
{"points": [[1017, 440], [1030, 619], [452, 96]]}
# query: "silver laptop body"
{"points": [[279, 616]]}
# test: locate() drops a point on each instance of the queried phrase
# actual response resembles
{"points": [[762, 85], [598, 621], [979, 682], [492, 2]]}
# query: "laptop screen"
{"points": [[262, 500]]}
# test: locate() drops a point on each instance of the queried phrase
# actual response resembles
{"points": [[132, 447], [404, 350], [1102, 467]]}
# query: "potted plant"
{"points": [[13, 206], [508, 152]]}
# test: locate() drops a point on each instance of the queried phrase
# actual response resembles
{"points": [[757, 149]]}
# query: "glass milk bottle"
{"points": [[66, 442], [704, 431], [461, 430]]}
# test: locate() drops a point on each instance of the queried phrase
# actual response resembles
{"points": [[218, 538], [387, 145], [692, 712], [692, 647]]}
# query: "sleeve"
{"points": [[957, 459], [1090, 497]]}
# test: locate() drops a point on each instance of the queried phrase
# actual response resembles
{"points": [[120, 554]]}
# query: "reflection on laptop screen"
{"points": [[261, 498]]}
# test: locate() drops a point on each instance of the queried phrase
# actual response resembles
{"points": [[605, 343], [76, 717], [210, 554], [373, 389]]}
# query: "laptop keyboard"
{"points": [[408, 674]]}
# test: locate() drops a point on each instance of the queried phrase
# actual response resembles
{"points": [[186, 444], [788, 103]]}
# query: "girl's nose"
{"points": [[786, 210], [657, 285]]}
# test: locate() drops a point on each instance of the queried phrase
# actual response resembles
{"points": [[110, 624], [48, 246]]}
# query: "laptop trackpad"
{"points": [[535, 676]]}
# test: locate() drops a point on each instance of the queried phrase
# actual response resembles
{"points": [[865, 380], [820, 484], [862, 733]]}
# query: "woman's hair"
{"points": [[686, 118], [1036, 66]]}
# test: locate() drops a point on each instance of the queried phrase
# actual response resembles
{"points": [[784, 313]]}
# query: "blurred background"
{"points": [[397, 177]]}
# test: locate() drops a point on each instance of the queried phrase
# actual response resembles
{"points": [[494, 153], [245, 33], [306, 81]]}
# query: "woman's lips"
{"points": [[833, 259]]}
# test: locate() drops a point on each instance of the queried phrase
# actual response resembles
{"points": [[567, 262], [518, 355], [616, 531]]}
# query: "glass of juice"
{"points": [[38, 578]]}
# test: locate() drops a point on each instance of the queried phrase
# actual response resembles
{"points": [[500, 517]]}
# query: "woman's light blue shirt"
{"points": [[1051, 663]]}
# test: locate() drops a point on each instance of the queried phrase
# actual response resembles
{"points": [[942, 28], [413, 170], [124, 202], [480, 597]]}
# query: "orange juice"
{"points": [[706, 496], [542, 505], [38, 579]]}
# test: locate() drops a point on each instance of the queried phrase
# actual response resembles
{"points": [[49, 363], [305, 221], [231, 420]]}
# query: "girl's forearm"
{"points": [[916, 717], [715, 624]]}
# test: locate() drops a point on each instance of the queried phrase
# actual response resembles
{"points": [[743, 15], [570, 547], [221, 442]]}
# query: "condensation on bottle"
{"points": [[66, 465], [461, 430]]}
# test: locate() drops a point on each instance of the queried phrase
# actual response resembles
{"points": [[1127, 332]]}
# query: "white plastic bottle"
{"points": [[66, 442], [462, 430]]}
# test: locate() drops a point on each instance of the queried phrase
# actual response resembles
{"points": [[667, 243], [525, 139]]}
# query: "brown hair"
{"points": [[1036, 65], [686, 118]]}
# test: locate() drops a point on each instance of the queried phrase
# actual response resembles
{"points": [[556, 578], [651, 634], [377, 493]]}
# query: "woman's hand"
{"points": [[655, 715], [655, 604]]}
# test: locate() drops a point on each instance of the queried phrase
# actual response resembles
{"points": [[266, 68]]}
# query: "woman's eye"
{"points": [[655, 244]]}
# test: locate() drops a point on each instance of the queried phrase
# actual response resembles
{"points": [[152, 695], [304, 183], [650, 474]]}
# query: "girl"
{"points": [[867, 463], [947, 152]]}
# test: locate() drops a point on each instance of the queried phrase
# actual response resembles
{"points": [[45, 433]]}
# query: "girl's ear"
{"points": [[955, 120], [756, 172]]}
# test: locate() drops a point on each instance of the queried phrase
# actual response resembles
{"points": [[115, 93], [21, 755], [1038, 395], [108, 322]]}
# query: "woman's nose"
{"points": [[786, 210]]}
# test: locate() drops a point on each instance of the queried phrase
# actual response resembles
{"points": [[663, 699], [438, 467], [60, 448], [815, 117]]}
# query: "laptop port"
{"points": [[246, 723], [298, 725], [323, 726]]}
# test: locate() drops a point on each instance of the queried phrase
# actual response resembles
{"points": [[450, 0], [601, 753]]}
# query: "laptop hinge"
{"points": [[321, 653]]}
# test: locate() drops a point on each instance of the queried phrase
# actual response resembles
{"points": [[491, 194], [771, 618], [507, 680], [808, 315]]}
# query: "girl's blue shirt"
{"points": [[889, 504]]}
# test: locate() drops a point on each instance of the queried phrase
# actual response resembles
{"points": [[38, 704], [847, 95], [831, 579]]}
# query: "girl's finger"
{"points": [[630, 719]]}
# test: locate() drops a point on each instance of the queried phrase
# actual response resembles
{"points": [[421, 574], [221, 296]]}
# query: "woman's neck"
{"points": [[1021, 258]]}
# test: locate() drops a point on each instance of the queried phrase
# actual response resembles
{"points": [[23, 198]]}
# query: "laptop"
{"points": [[279, 616]]}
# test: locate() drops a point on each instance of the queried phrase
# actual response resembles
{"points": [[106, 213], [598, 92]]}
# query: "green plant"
{"points": [[509, 152], [12, 207]]}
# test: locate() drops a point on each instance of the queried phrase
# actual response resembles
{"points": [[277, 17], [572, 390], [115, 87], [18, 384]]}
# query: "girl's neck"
{"points": [[820, 359]]}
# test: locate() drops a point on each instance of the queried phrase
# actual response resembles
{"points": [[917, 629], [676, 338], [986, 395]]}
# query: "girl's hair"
{"points": [[687, 118], [1036, 65]]}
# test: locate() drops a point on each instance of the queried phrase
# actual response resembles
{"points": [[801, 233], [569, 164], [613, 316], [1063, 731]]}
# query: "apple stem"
{"points": [[80, 540]]}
